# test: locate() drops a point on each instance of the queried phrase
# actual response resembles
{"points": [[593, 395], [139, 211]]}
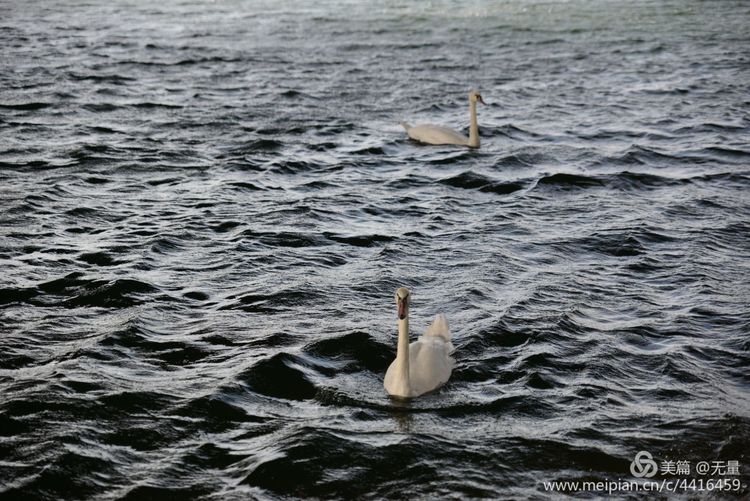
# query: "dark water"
{"points": [[207, 207]]}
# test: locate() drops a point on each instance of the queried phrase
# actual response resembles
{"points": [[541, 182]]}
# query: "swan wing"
{"points": [[430, 365], [439, 329], [436, 134]]}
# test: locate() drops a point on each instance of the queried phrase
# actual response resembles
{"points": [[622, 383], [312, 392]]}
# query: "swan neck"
{"points": [[473, 126], [402, 351]]}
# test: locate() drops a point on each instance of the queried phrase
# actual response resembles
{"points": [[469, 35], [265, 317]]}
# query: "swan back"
{"points": [[436, 134]]}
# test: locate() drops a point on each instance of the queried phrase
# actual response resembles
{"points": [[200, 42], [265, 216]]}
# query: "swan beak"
{"points": [[401, 309], [479, 98]]}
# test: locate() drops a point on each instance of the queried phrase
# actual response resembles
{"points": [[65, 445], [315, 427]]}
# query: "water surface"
{"points": [[206, 209]]}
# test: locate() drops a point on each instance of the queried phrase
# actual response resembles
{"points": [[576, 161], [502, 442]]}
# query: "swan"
{"points": [[436, 134], [423, 365]]}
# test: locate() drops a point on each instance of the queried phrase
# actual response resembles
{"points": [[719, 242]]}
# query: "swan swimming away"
{"points": [[423, 365], [436, 134]]}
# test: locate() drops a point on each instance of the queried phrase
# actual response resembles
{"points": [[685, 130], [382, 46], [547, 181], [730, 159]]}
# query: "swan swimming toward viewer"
{"points": [[423, 365], [436, 134]]}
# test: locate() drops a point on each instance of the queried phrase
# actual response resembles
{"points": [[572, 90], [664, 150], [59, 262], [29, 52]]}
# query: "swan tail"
{"points": [[406, 126], [439, 329]]}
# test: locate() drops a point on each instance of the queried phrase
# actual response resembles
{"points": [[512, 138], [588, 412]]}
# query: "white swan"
{"points": [[423, 365], [436, 134]]}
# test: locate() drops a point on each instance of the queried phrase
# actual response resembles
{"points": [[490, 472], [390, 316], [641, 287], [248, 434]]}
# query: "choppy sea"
{"points": [[206, 209]]}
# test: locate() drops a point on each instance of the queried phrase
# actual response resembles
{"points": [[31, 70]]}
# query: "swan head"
{"points": [[475, 96], [402, 302]]}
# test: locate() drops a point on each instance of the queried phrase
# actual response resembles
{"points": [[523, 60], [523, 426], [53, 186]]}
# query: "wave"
{"points": [[628, 180], [149, 347], [74, 291], [299, 469], [99, 259], [147, 105], [285, 238], [216, 412], [101, 107], [356, 350], [271, 302], [359, 240], [280, 377], [569, 181], [65, 475], [470, 180], [109, 79], [625, 180], [30, 106]]}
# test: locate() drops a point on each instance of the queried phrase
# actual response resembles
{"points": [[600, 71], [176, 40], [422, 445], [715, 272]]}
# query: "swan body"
{"points": [[437, 134], [424, 365]]}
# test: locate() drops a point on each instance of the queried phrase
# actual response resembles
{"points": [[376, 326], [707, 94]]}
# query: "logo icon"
{"points": [[643, 465]]}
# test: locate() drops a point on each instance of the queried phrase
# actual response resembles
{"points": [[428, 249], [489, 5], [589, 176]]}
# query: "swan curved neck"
{"points": [[473, 126]]}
